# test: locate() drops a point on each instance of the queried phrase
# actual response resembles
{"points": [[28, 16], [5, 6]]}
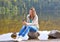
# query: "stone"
{"points": [[33, 35], [54, 34], [14, 35]]}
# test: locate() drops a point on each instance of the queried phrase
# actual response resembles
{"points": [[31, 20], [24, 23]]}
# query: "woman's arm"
{"points": [[35, 21]]}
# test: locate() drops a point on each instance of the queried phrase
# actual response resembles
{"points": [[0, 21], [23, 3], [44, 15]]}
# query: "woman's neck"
{"points": [[32, 17]]}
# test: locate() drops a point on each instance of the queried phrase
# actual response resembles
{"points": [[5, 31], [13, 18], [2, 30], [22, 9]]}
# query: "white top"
{"points": [[34, 21]]}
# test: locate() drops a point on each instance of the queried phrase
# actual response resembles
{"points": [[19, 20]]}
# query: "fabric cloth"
{"points": [[26, 29], [7, 36], [30, 20], [34, 21]]}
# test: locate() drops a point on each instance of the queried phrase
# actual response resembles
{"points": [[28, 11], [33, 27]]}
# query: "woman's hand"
{"points": [[24, 22]]}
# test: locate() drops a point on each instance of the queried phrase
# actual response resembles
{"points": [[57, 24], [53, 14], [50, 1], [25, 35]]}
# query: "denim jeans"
{"points": [[26, 29]]}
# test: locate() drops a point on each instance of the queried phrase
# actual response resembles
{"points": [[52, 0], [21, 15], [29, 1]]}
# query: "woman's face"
{"points": [[31, 12]]}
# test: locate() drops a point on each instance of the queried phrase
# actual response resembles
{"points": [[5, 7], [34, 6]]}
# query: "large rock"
{"points": [[54, 34], [33, 35]]}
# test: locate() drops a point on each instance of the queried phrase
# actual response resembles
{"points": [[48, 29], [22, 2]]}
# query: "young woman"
{"points": [[30, 25]]}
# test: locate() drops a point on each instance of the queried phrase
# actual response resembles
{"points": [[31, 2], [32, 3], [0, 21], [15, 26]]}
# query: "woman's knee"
{"points": [[23, 26], [33, 28]]}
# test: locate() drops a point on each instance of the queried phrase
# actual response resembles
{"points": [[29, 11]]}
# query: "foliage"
{"points": [[13, 11]]}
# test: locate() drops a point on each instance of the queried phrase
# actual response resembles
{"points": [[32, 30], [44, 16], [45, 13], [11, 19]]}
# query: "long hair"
{"points": [[34, 12]]}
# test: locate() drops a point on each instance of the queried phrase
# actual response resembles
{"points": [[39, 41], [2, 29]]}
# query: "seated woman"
{"points": [[30, 25]]}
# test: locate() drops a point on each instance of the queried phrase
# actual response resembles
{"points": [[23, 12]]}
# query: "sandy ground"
{"points": [[50, 40]]}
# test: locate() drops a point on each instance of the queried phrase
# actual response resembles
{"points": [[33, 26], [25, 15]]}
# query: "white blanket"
{"points": [[7, 37], [43, 35]]}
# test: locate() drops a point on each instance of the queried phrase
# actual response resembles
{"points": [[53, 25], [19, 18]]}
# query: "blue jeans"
{"points": [[26, 29]]}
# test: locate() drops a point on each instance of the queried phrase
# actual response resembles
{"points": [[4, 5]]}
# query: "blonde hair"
{"points": [[33, 9], [34, 12]]}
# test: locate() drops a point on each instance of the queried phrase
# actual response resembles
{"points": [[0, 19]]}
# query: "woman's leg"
{"points": [[22, 30], [28, 29], [33, 29]]}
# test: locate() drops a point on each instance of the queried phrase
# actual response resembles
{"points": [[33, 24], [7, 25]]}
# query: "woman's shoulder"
{"points": [[36, 15]]}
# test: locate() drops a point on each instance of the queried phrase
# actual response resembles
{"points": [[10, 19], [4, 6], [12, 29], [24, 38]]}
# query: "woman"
{"points": [[30, 25]]}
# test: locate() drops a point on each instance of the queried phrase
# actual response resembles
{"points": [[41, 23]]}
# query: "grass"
{"points": [[10, 26], [15, 26]]}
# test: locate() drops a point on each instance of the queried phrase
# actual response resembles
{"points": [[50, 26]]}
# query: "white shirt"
{"points": [[34, 21]]}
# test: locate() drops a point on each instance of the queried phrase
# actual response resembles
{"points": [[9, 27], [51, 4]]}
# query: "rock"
{"points": [[33, 35], [54, 34], [14, 35]]}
